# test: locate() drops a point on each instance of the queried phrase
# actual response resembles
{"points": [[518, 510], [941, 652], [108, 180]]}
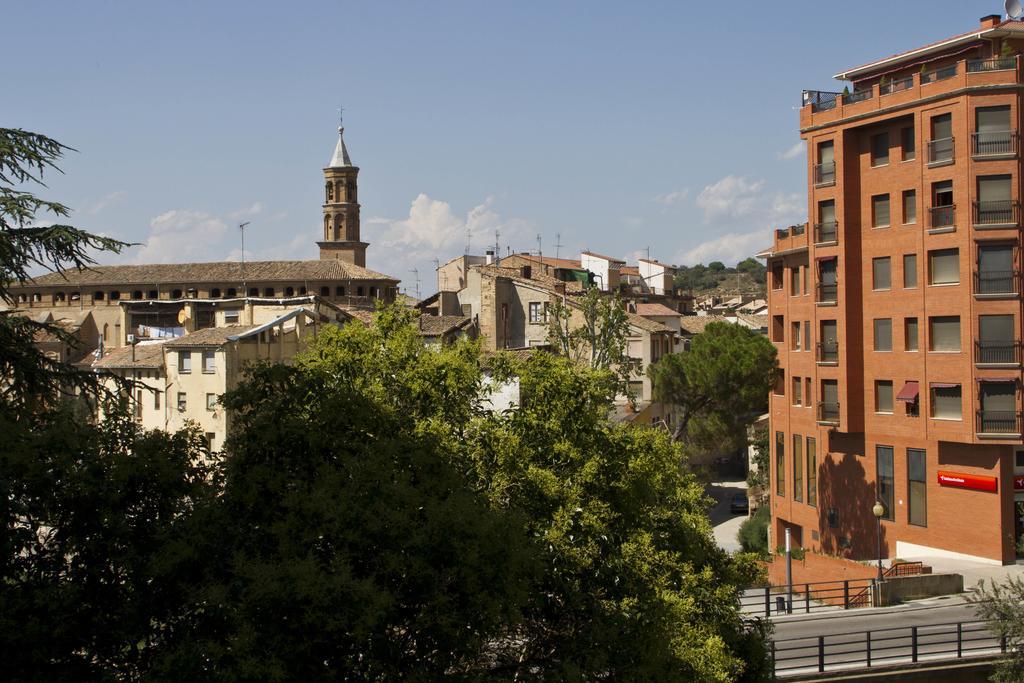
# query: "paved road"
{"points": [[726, 524], [845, 639]]}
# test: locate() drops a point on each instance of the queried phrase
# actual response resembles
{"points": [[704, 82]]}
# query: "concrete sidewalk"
{"points": [[973, 572]]}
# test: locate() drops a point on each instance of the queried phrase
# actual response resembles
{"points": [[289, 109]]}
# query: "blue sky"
{"points": [[617, 126]]}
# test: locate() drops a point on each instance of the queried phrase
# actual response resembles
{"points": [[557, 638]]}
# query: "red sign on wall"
{"points": [[968, 481], [1018, 482]]}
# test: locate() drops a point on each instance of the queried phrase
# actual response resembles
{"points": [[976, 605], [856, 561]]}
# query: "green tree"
{"points": [[753, 532], [758, 480], [717, 385], [29, 375], [1002, 606], [595, 335], [754, 269]]}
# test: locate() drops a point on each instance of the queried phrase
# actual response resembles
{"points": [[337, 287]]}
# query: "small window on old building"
{"points": [[232, 292], [184, 362], [176, 294], [359, 291], [880, 149], [883, 334], [325, 291], [215, 293], [97, 296], [182, 402], [211, 401], [152, 294], [268, 291], [156, 399], [253, 291], [209, 361], [231, 316], [289, 291], [339, 291]]}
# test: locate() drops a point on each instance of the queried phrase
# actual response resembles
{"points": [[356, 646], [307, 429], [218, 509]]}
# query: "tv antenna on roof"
{"points": [[1014, 10]]}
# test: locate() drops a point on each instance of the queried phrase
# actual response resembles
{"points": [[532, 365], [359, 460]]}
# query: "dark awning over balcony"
{"points": [[909, 392]]}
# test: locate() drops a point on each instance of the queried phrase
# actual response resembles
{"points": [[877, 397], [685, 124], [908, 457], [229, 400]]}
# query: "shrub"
{"points": [[753, 533]]}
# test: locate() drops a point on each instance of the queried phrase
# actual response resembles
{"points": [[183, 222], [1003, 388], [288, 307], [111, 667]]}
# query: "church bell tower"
{"points": [[341, 209]]}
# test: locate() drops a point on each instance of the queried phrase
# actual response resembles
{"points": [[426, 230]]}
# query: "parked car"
{"points": [[739, 503]]}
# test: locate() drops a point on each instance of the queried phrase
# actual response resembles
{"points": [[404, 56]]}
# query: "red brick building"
{"points": [[897, 309]]}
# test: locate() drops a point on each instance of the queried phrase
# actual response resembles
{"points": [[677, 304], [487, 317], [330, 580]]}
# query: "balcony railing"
{"points": [[942, 216], [857, 96], [828, 352], [997, 352], [995, 143], [997, 64], [998, 212], [828, 413], [828, 293], [825, 174], [940, 151], [826, 232], [938, 74], [797, 230], [896, 85], [997, 282], [819, 100], [998, 422]]}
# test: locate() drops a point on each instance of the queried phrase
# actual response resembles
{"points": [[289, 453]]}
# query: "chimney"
{"points": [[527, 271], [990, 20], [489, 256]]}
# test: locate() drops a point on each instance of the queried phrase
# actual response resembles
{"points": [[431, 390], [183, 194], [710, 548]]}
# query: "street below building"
{"points": [[726, 524]]}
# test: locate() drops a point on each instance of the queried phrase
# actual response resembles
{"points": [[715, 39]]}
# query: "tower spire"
{"points": [[340, 158]]}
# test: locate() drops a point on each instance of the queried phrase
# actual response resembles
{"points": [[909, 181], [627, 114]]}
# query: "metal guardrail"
{"points": [[819, 100], [942, 216], [903, 569], [880, 647], [858, 96], [941, 151], [998, 422], [826, 232], [997, 64], [807, 597], [996, 212], [997, 282], [828, 293], [997, 352], [825, 174], [896, 85], [828, 352], [940, 74], [828, 413], [994, 143]]}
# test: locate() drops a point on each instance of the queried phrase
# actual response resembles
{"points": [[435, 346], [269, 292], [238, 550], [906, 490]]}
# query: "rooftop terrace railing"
{"points": [[996, 64], [939, 74], [858, 96], [896, 85], [998, 422]]}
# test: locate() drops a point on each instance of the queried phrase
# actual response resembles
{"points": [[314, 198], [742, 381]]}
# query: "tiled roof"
{"points": [[361, 314], [215, 272], [655, 309], [646, 324], [211, 337], [1008, 25], [438, 325], [758, 320], [629, 270], [146, 355], [695, 324], [551, 260], [606, 258]]}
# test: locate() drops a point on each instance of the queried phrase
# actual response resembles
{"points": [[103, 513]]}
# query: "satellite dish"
{"points": [[1014, 9]]}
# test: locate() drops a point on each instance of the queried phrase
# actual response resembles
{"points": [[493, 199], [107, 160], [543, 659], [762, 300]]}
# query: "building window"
{"points": [[798, 468], [797, 391], [812, 471], [156, 399], [909, 271], [231, 316], [253, 291], [794, 336], [944, 333], [209, 362], [880, 149], [883, 396], [998, 414], [909, 206], [97, 296], [941, 145], [908, 144], [538, 312], [881, 273], [996, 273], [780, 463], [137, 407], [268, 291], [993, 136], [182, 402], [778, 328], [184, 362], [829, 400], [780, 382], [880, 211], [807, 335], [215, 293], [883, 334], [946, 401], [910, 334], [777, 275], [114, 295], [211, 402], [917, 487], [885, 480], [996, 340], [944, 267], [359, 291], [339, 291], [808, 398], [232, 292], [794, 281], [289, 291]]}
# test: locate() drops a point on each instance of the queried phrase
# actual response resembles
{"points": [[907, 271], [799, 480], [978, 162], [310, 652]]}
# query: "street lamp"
{"points": [[878, 510]]}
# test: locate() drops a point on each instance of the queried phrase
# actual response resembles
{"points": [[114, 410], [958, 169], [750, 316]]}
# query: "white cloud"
{"points": [[180, 236], [433, 230], [731, 197], [794, 151], [674, 197], [254, 209], [729, 248], [93, 208]]}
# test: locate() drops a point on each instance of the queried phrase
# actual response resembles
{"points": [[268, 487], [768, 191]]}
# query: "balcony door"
{"points": [[995, 269], [996, 340], [829, 342], [995, 201], [998, 407], [993, 135]]}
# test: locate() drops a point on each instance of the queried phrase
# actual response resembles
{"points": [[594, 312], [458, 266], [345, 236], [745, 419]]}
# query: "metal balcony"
{"points": [[940, 151], [828, 413], [942, 216], [896, 85], [938, 74], [826, 232], [995, 213], [992, 282], [998, 422], [828, 352], [998, 143], [997, 352], [857, 96], [996, 64], [825, 174]]}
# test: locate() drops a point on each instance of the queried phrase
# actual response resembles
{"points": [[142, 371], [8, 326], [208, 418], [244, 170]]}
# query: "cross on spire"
{"points": [[341, 116]]}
